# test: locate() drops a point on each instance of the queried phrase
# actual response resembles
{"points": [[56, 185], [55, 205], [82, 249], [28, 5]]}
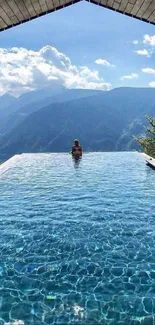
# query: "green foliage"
{"points": [[148, 141]]}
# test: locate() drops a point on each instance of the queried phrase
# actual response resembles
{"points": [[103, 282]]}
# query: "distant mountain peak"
{"points": [[6, 100], [46, 91], [6, 96]]}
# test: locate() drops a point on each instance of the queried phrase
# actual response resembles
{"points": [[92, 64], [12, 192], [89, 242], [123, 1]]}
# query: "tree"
{"points": [[148, 141]]}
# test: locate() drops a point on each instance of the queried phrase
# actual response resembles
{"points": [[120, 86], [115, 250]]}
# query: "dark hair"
{"points": [[76, 141]]}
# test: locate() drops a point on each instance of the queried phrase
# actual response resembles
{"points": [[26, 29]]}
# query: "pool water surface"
{"points": [[77, 240]]}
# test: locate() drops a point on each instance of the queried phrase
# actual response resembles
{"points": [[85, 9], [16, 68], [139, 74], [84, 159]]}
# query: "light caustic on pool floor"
{"points": [[77, 242]]}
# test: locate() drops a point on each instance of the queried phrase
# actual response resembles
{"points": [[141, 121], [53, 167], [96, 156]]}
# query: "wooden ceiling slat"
{"points": [[37, 7], [136, 7], [149, 11], [14, 20], [43, 8], [152, 16], [7, 9], [132, 2], [110, 3], [22, 7], [116, 5], [56, 3], [103, 2], [129, 8], [144, 7], [30, 8], [2, 23], [12, 4], [49, 4], [123, 5], [43, 5], [66, 2], [6, 18]]}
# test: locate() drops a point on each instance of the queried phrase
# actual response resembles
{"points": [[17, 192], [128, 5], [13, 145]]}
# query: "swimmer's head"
{"points": [[76, 142]]}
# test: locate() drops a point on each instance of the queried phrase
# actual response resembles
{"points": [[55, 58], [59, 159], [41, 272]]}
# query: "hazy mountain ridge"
{"points": [[103, 121], [35, 101]]}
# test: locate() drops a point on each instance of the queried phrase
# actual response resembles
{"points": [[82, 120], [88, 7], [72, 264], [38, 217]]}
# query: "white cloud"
{"points": [[86, 72], [152, 84], [149, 70], [130, 76], [135, 42], [104, 62], [149, 40], [22, 70], [143, 52]]}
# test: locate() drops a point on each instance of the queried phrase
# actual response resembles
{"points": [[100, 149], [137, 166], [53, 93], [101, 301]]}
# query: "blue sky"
{"points": [[85, 33]]}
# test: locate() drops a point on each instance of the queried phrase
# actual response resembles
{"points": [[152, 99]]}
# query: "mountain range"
{"points": [[50, 118]]}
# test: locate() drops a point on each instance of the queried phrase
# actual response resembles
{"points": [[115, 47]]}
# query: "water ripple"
{"points": [[77, 242]]}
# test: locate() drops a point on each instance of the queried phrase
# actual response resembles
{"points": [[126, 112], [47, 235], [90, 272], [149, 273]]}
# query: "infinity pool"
{"points": [[77, 241]]}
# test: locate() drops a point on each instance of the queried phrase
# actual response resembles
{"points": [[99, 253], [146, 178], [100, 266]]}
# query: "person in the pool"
{"points": [[76, 149]]}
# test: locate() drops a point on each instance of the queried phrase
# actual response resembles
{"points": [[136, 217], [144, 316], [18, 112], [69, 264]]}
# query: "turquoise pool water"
{"points": [[77, 242]]}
